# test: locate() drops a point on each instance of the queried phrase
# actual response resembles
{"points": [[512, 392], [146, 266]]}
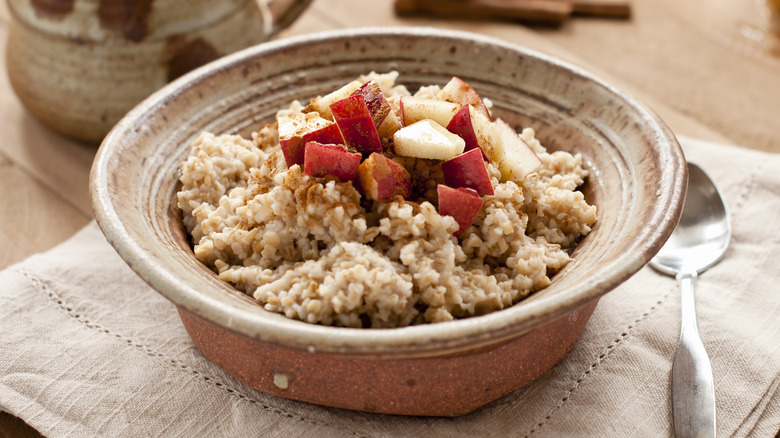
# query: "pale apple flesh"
{"points": [[414, 109], [356, 125], [463, 204], [381, 179], [324, 160], [514, 157], [468, 170], [427, 139], [460, 92], [389, 126]]}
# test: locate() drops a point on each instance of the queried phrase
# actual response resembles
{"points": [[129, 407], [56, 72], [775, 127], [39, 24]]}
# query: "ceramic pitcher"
{"points": [[80, 65]]}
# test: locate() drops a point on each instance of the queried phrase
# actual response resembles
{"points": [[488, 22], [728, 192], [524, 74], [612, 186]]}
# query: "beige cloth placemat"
{"points": [[88, 349]]}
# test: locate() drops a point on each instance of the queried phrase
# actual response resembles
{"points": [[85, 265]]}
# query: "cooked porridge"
{"points": [[375, 207]]}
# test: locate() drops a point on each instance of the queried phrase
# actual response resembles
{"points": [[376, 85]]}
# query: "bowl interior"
{"points": [[637, 173]]}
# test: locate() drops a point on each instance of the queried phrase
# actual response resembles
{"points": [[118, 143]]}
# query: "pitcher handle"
{"points": [[280, 14]]}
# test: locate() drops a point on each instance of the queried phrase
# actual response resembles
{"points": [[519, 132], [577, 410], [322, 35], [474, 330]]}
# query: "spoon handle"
{"points": [[693, 390]]}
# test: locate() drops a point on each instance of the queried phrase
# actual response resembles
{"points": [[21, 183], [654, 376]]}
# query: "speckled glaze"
{"points": [[79, 66], [638, 180]]}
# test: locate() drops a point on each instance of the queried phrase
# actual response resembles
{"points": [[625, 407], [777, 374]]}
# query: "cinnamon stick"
{"points": [[553, 12], [602, 8]]}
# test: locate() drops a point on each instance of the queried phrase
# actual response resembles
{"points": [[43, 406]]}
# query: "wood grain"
{"points": [[5, 15], [34, 218], [709, 60]]}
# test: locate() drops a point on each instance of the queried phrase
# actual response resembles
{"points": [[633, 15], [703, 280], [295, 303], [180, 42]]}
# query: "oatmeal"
{"points": [[375, 207]]}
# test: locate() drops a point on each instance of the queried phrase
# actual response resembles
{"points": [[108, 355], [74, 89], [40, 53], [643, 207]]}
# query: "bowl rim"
{"points": [[440, 339]]}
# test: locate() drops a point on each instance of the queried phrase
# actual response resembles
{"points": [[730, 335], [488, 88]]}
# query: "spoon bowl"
{"points": [[703, 233], [698, 242]]}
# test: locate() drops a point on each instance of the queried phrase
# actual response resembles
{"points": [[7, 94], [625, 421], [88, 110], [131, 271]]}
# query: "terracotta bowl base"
{"points": [[432, 386]]}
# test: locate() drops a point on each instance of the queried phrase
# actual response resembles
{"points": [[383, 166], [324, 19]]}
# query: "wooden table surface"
{"points": [[707, 67]]}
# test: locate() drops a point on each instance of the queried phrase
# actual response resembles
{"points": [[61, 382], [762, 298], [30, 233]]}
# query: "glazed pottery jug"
{"points": [[80, 65]]}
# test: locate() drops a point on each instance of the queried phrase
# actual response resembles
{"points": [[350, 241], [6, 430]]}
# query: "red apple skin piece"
{"points": [[475, 129], [381, 179], [293, 148], [321, 160], [462, 126], [458, 91], [321, 104], [468, 170], [462, 204], [376, 103], [356, 125]]}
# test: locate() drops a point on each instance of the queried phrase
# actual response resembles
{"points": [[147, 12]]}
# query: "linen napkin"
{"points": [[88, 349]]}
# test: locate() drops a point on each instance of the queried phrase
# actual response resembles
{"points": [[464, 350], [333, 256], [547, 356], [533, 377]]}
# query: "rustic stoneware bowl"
{"points": [[638, 180], [79, 66]]}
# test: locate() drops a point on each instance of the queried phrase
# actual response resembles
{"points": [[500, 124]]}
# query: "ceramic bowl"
{"points": [[637, 180]]}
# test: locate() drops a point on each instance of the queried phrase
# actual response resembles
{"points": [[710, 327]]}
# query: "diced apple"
{"points": [[414, 109], [322, 104], [295, 129], [385, 120], [468, 170], [375, 101], [321, 160], [462, 93], [462, 204], [427, 139], [381, 178], [474, 128], [388, 126], [462, 126], [514, 157], [356, 125]]}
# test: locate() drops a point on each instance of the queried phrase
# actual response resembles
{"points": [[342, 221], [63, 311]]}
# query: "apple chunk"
{"points": [[427, 139], [414, 109], [321, 160], [356, 125], [460, 92], [514, 157], [322, 104], [468, 170], [462, 204], [388, 126], [461, 125], [474, 128], [375, 101], [381, 178], [385, 120], [295, 129]]}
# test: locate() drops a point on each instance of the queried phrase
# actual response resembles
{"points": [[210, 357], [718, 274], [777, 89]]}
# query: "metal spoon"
{"points": [[698, 242]]}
